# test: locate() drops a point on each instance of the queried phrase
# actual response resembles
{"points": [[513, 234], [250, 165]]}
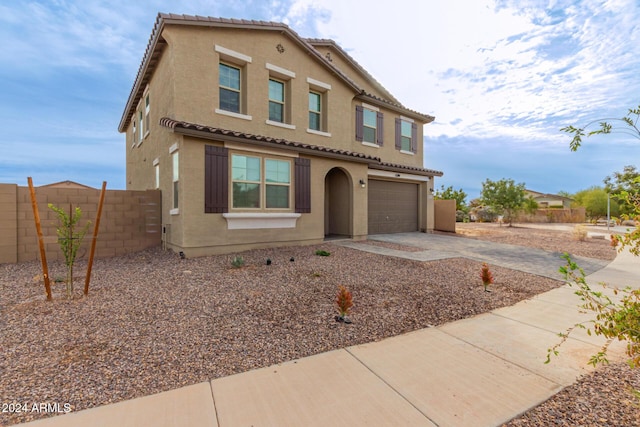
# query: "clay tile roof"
{"points": [[406, 169], [374, 162], [176, 124]]}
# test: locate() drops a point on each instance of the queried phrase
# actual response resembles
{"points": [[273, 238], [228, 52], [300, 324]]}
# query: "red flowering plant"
{"points": [[344, 302], [486, 276]]}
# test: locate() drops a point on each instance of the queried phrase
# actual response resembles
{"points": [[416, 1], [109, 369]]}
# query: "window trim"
{"points": [[262, 206], [318, 112], [282, 104], [230, 89]]}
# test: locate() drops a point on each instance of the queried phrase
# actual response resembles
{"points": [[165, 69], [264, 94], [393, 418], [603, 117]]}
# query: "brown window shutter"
{"points": [[216, 179], [414, 137], [303, 185], [379, 125], [398, 133], [359, 123]]}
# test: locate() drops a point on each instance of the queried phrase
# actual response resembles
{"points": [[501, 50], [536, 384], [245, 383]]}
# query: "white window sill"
{"points": [[318, 132], [370, 144], [174, 211], [282, 125], [232, 114], [252, 221], [411, 153]]}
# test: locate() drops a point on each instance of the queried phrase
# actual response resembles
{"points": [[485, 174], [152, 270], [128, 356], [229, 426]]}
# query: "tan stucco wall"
{"points": [[445, 215], [207, 233], [130, 221]]}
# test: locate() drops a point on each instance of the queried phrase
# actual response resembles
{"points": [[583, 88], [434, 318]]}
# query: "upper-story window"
{"points": [[135, 134], [147, 108], [406, 135], [315, 111], [276, 100], [141, 121], [318, 107], [233, 74], [230, 93], [370, 130], [280, 96], [369, 125]]}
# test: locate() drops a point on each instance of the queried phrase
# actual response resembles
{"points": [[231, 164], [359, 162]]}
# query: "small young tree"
{"points": [[450, 194], [613, 320], [69, 239], [626, 125], [505, 197]]}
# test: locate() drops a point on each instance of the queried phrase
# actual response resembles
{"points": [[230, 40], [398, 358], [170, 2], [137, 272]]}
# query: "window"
{"points": [[229, 81], [156, 167], [277, 184], [276, 100], [141, 121], [146, 114], [315, 111], [369, 126], [406, 135], [249, 183], [176, 176], [245, 175], [134, 131]]}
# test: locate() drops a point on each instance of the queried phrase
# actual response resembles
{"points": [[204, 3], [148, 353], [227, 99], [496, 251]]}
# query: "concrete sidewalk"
{"points": [[480, 371]]}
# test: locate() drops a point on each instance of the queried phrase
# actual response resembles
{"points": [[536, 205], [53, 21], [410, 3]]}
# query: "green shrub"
{"points": [[321, 252], [237, 262]]}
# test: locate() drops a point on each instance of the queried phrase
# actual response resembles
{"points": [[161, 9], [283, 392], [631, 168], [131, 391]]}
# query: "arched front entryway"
{"points": [[337, 204]]}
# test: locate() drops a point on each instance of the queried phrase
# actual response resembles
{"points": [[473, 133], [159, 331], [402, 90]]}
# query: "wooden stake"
{"points": [[43, 255], [95, 238]]}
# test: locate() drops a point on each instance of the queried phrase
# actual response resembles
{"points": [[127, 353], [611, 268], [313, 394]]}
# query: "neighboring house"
{"points": [[550, 200], [67, 184], [259, 138]]}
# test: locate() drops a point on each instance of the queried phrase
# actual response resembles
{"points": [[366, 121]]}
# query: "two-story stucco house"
{"points": [[258, 137]]}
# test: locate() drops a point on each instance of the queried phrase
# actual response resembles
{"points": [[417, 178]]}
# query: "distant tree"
{"points": [[627, 125], [594, 201], [530, 205], [621, 183], [505, 197], [450, 194]]}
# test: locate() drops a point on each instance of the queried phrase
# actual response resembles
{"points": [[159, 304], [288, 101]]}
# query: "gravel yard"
{"points": [[153, 322]]}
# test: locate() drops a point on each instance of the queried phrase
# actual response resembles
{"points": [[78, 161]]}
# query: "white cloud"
{"points": [[486, 68]]}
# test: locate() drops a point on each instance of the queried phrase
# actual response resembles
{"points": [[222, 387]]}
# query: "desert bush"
{"points": [[580, 232]]}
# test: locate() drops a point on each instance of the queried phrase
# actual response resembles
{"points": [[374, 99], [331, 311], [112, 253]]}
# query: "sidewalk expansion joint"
{"points": [[557, 333], [391, 387], [510, 362], [215, 408]]}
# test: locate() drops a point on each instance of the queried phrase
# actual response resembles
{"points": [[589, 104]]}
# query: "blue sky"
{"points": [[500, 76]]}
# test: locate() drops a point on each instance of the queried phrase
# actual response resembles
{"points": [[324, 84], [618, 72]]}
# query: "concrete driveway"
{"points": [[438, 246]]}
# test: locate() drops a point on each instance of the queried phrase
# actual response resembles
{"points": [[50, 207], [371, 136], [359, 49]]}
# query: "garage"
{"points": [[393, 207]]}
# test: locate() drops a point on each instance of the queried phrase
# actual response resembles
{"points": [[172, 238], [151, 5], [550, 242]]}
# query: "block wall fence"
{"points": [[130, 221]]}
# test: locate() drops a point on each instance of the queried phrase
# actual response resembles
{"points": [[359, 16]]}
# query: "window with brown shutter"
{"points": [[216, 175], [303, 185], [359, 123], [380, 128]]}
